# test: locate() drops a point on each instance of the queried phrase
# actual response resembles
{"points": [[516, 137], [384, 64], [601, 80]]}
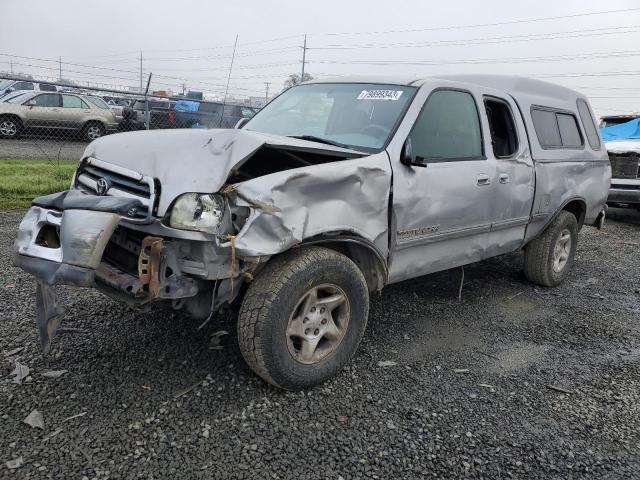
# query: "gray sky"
{"points": [[191, 42]]}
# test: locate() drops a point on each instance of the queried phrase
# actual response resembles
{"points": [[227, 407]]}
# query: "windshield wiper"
{"points": [[313, 138]]}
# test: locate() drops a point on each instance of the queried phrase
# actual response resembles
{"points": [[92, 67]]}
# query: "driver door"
{"points": [[442, 211]]}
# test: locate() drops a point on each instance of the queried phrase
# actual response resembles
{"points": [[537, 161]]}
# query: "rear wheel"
{"points": [[93, 131], [549, 258], [303, 317], [10, 127]]}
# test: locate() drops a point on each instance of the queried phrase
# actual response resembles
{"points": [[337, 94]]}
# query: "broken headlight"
{"points": [[197, 211]]}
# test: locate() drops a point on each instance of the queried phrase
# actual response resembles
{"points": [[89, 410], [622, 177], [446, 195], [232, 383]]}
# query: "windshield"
{"points": [[358, 115], [98, 102], [5, 83]]}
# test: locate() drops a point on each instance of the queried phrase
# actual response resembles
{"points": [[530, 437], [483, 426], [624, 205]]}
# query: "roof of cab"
{"points": [[511, 84]]}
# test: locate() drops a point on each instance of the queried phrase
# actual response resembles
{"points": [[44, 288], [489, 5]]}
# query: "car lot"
{"points": [[477, 388]]}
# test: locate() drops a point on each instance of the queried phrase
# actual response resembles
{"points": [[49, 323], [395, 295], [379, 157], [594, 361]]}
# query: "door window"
{"points": [[47, 100], [503, 130], [69, 101], [23, 86], [448, 128]]}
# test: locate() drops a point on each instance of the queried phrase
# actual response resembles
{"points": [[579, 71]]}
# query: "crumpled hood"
{"points": [[189, 160]]}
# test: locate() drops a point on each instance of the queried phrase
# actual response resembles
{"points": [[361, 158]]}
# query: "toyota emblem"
{"points": [[102, 186]]}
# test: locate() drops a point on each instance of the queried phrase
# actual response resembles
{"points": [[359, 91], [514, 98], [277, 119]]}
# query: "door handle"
{"points": [[504, 178], [483, 179]]}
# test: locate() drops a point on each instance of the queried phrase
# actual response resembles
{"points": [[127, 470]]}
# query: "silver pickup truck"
{"points": [[334, 190]]}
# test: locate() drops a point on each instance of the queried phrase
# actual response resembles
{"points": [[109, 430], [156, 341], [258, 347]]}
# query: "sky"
{"points": [[190, 43]]}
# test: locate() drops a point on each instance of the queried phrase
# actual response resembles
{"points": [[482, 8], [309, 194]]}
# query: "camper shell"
{"points": [[392, 179]]}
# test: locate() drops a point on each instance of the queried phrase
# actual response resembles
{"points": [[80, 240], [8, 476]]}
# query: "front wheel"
{"points": [[93, 131], [549, 258], [303, 317], [10, 127]]}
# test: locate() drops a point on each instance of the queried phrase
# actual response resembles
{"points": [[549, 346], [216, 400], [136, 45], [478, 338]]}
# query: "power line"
{"points": [[486, 40], [479, 25], [478, 61]]}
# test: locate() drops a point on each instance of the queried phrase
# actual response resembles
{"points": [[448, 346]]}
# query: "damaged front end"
{"points": [[60, 241], [72, 238], [146, 237]]}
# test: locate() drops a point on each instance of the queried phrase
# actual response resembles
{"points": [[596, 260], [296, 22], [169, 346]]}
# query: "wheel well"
{"points": [[365, 256], [93, 122], [579, 210], [12, 115]]}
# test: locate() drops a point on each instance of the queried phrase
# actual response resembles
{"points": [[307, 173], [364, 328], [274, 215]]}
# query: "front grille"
{"points": [[624, 165], [622, 186], [123, 249], [120, 182]]}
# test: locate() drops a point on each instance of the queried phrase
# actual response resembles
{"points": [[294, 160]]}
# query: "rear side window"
{"points": [[448, 128], [556, 129], [588, 124], [569, 132], [503, 130], [69, 101]]}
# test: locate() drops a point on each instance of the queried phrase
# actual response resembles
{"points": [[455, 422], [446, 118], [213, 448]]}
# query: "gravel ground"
{"points": [[145, 395], [40, 148]]}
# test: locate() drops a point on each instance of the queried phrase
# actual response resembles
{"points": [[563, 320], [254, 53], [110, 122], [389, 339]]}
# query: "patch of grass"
{"points": [[22, 180]]}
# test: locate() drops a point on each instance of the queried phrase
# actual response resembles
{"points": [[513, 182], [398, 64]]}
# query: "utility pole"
{"points": [[304, 57], [266, 93], [140, 70], [60, 65], [184, 87], [226, 90], [11, 64]]}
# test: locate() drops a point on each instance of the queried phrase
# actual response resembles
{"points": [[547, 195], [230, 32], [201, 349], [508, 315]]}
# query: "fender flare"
{"points": [[361, 244]]}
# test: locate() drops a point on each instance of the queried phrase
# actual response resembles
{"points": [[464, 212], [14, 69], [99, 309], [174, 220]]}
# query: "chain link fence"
{"points": [[54, 121]]}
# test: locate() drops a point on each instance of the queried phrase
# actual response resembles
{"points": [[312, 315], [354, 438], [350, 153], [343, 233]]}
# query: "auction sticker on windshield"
{"points": [[380, 95]]}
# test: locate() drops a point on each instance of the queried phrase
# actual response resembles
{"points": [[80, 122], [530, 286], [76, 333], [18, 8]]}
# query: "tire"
{"points": [[10, 127], [543, 256], [277, 303], [93, 131]]}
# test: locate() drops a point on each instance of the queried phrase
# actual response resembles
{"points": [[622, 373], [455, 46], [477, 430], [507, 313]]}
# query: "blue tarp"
{"points": [[186, 106], [623, 131]]}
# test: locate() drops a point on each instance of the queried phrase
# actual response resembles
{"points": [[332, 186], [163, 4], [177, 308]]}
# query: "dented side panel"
{"points": [[288, 207]]}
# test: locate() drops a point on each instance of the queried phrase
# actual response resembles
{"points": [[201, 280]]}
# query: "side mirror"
{"points": [[407, 158], [31, 103], [241, 123], [9, 90]]}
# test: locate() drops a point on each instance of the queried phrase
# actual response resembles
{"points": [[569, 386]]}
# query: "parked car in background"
{"points": [[155, 112], [611, 120], [117, 105], [189, 114], [622, 141], [9, 86], [297, 219], [55, 113]]}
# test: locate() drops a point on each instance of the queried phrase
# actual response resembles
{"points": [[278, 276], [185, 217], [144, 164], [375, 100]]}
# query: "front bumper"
{"points": [[624, 191], [60, 241], [71, 238]]}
